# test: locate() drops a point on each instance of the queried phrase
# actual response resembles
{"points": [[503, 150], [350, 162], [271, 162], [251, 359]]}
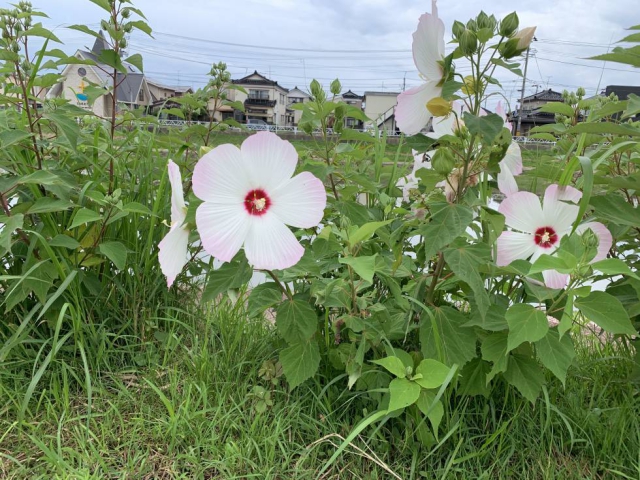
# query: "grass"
{"points": [[187, 412]]}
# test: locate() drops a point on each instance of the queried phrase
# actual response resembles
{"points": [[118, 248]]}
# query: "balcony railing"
{"points": [[263, 102]]}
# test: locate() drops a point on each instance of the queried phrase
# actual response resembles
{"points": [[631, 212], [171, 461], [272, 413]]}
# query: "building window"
{"points": [[141, 95], [282, 120], [259, 94], [295, 99], [281, 98]]}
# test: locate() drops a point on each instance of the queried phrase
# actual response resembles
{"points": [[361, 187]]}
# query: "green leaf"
{"points": [[512, 67], [64, 241], [300, 362], [494, 349], [234, 274], [394, 365], [296, 321], [39, 31], [606, 311], [556, 353], [366, 231], [66, 126], [112, 59], [487, 127], [464, 262], [614, 266], [135, 207], [10, 225], [447, 223], [116, 252], [142, 26], [525, 374], [431, 408], [49, 205], [473, 378], [445, 338], [420, 142], [449, 88], [615, 209], [264, 296], [526, 324], [354, 135], [82, 216], [558, 108], [403, 393], [103, 4], [136, 61], [364, 266], [433, 373], [605, 128], [11, 137], [563, 262]]}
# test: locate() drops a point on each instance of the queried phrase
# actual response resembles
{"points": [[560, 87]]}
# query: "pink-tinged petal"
{"points": [[173, 253], [270, 245], [557, 211], [222, 176], [428, 44], [411, 113], [223, 228], [300, 202], [605, 240], [522, 211], [271, 160], [555, 280], [178, 208], [506, 181], [514, 246]]}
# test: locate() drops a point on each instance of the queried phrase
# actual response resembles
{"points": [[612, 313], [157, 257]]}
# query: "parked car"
{"points": [[257, 124]]}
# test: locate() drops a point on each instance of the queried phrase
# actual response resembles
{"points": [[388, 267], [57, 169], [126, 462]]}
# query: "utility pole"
{"points": [[404, 81], [524, 81]]}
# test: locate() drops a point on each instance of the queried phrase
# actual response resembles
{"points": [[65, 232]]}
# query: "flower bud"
{"points": [[439, 107], [457, 29], [469, 87], [468, 42], [581, 92], [509, 24], [525, 37], [509, 49], [316, 90], [442, 161], [335, 87], [472, 25], [482, 20]]}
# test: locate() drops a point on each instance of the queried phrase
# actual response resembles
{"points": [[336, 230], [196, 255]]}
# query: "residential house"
{"points": [[356, 101], [380, 108], [296, 96], [623, 92], [134, 89], [264, 100], [531, 114]]}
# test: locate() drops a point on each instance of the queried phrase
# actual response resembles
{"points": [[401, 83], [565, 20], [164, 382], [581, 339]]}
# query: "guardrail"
{"points": [[296, 130]]}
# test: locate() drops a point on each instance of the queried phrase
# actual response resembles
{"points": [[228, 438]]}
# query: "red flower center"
{"points": [[257, 202], [545, 237]]}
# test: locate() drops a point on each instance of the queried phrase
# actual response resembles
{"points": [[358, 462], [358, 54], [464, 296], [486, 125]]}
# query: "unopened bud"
{"points": [[316, 90], [509, 24], [469, 87], [442, 161], [439, 107], [457, 29], [472, 25], [482, 20], [468, 42], [335, 87], [525, 37]]}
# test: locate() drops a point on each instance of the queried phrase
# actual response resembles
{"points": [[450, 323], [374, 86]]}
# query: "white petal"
{"points": [[554, 279], [513, 159], [557, 212], [221, 176], [522, 211], [223, 228], [506, 181], [428, 44], [271, 160], [173, 253], [300, 202], [411, 113], [514, 246], [605, 240], [270, 245], [442, 126], [178, 208]]}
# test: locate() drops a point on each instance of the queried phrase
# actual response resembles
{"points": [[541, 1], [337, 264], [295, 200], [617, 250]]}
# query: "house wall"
{"points": [[271, 115], [72, 87], [377, 105], [297, 96], [159, 92]]}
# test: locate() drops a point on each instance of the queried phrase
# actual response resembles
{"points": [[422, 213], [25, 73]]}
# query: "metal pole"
{"points": [[524, 81]]}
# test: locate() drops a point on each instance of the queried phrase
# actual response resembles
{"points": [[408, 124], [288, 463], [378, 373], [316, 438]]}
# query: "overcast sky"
{"points": [[356, 36]]}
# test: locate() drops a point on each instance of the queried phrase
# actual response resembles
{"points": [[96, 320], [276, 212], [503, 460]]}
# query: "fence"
{"points": [[296, 130]]}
